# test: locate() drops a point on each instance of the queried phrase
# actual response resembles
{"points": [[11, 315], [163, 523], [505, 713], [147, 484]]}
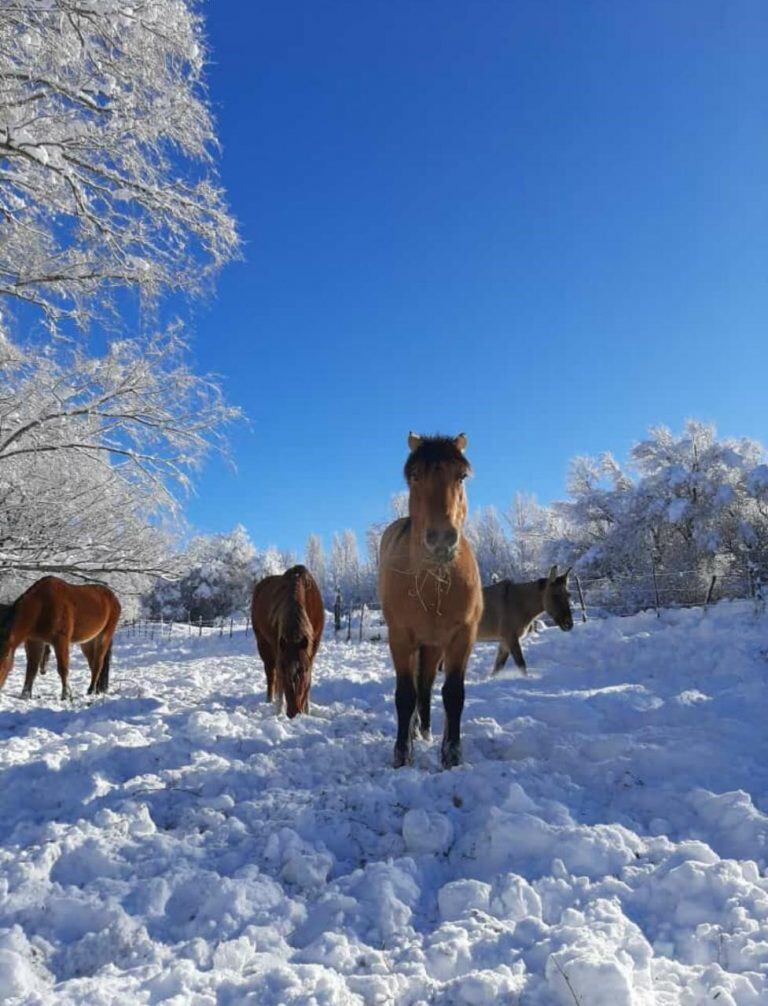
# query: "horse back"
{"points": [[509, 609], [494, 611], [80, 612], [271, 593]]}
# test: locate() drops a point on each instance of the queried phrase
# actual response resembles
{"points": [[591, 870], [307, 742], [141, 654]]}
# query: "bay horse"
{"points": [[510, 608], [429, 586], [56, 613], [288, 616]]}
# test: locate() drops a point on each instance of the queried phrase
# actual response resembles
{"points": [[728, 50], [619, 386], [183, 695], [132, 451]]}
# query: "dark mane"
{"points": [[433, 451], [289, 607]]}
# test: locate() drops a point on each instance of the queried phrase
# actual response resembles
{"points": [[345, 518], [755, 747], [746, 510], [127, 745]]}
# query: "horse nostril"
{"points": [[431, 537], [451, 537]]}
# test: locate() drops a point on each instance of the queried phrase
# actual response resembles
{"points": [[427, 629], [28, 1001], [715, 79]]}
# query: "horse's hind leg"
{"points": [[35, 656], [61, 649], [268, 658], [517, 654], [502, 655], [429, 660]]}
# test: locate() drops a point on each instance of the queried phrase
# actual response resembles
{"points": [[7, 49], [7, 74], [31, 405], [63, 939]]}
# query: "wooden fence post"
{"points": [[349, 623], [231, 626], [362, 618], [337, 613], [200, 626], [709, 592], [581, 598], [655, 587]]}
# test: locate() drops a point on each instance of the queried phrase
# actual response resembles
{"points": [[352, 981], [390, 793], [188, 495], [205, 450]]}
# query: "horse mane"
{"points": [[433, 451], [290, 607]]}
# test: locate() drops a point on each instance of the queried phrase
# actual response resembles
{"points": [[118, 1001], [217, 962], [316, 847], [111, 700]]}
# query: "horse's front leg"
{"points": [[429, 660], [403, 653], [35, 652], [456, 656], [61, 649]]}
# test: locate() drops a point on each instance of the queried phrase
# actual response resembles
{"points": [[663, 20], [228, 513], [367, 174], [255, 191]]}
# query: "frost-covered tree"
{"points": [[218, 575], [689, 507], [314, 559], [345, 571], [492, 548], [95, 450], [107, 172]]}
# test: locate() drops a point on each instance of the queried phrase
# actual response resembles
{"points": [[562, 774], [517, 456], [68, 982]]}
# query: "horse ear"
{"points": [[564, 576], [461, 442], [414, 440], [552, 573]]}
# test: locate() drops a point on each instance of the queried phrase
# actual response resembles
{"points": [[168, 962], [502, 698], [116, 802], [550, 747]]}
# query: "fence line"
{"points": [[594, 597]]}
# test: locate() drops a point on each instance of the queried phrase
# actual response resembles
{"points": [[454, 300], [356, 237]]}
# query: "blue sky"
{"points": [[542, 223]]}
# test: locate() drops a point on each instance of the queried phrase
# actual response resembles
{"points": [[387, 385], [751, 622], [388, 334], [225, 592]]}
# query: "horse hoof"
{"points": [[402, 757], [26, 693], [426, 733], [450, 754]]}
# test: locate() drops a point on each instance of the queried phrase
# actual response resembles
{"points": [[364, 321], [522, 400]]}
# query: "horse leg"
{"points": [[517, 654], [61, 649], [502, 654], [456, 657], [268, 659], [429, 660], [403, 652], [35, 655]]}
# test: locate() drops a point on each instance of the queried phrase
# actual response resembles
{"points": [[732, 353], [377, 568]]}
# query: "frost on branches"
{"points": [[107, 177], [93, 451]]}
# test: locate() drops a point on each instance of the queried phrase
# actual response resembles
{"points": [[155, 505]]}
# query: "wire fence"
{"points": [[591, 597]]}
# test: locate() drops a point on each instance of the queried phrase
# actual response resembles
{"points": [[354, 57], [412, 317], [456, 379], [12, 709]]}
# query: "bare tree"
{"points": [[107, 175]]}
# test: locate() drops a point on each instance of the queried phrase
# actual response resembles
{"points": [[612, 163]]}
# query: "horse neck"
{"points": [[294, 610], [531, 598]]}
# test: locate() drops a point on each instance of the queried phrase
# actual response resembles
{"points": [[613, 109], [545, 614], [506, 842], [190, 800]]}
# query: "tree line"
{"points": [[685, 505]]}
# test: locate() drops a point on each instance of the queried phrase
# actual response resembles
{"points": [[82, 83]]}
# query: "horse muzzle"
{"points": [[566, 625], [442, 545]]}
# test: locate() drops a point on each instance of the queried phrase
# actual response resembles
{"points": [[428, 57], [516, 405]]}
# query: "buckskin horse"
{"points": [[510, 608], [58, 613], [431, 598], [288, 616]]}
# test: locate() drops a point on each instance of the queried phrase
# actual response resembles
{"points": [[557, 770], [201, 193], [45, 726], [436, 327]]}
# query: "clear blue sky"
{"points": [[543, 223]]}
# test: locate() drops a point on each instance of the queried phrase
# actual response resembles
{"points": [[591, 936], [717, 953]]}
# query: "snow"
{"points": [[605, 842]]}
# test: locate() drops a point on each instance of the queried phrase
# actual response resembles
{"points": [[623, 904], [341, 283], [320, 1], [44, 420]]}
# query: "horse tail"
{"points": [[103, 682], [45, 658]]}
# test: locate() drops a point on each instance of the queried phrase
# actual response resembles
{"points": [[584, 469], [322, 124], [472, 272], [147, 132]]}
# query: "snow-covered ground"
{"points": [[605, 843]]}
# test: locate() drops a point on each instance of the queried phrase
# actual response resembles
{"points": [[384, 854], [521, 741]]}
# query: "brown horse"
{"points": [[58, 613], [430, 593], [288, 616], [510, 609]]}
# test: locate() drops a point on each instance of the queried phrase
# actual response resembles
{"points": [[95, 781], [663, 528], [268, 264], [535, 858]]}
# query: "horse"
{"points": [[430, 592], [288, 617], [56, 613], [509, 610]]}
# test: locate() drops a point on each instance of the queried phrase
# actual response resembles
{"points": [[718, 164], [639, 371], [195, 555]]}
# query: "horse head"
{"points": [[294, 665], [557, 603], [437, 503]]}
